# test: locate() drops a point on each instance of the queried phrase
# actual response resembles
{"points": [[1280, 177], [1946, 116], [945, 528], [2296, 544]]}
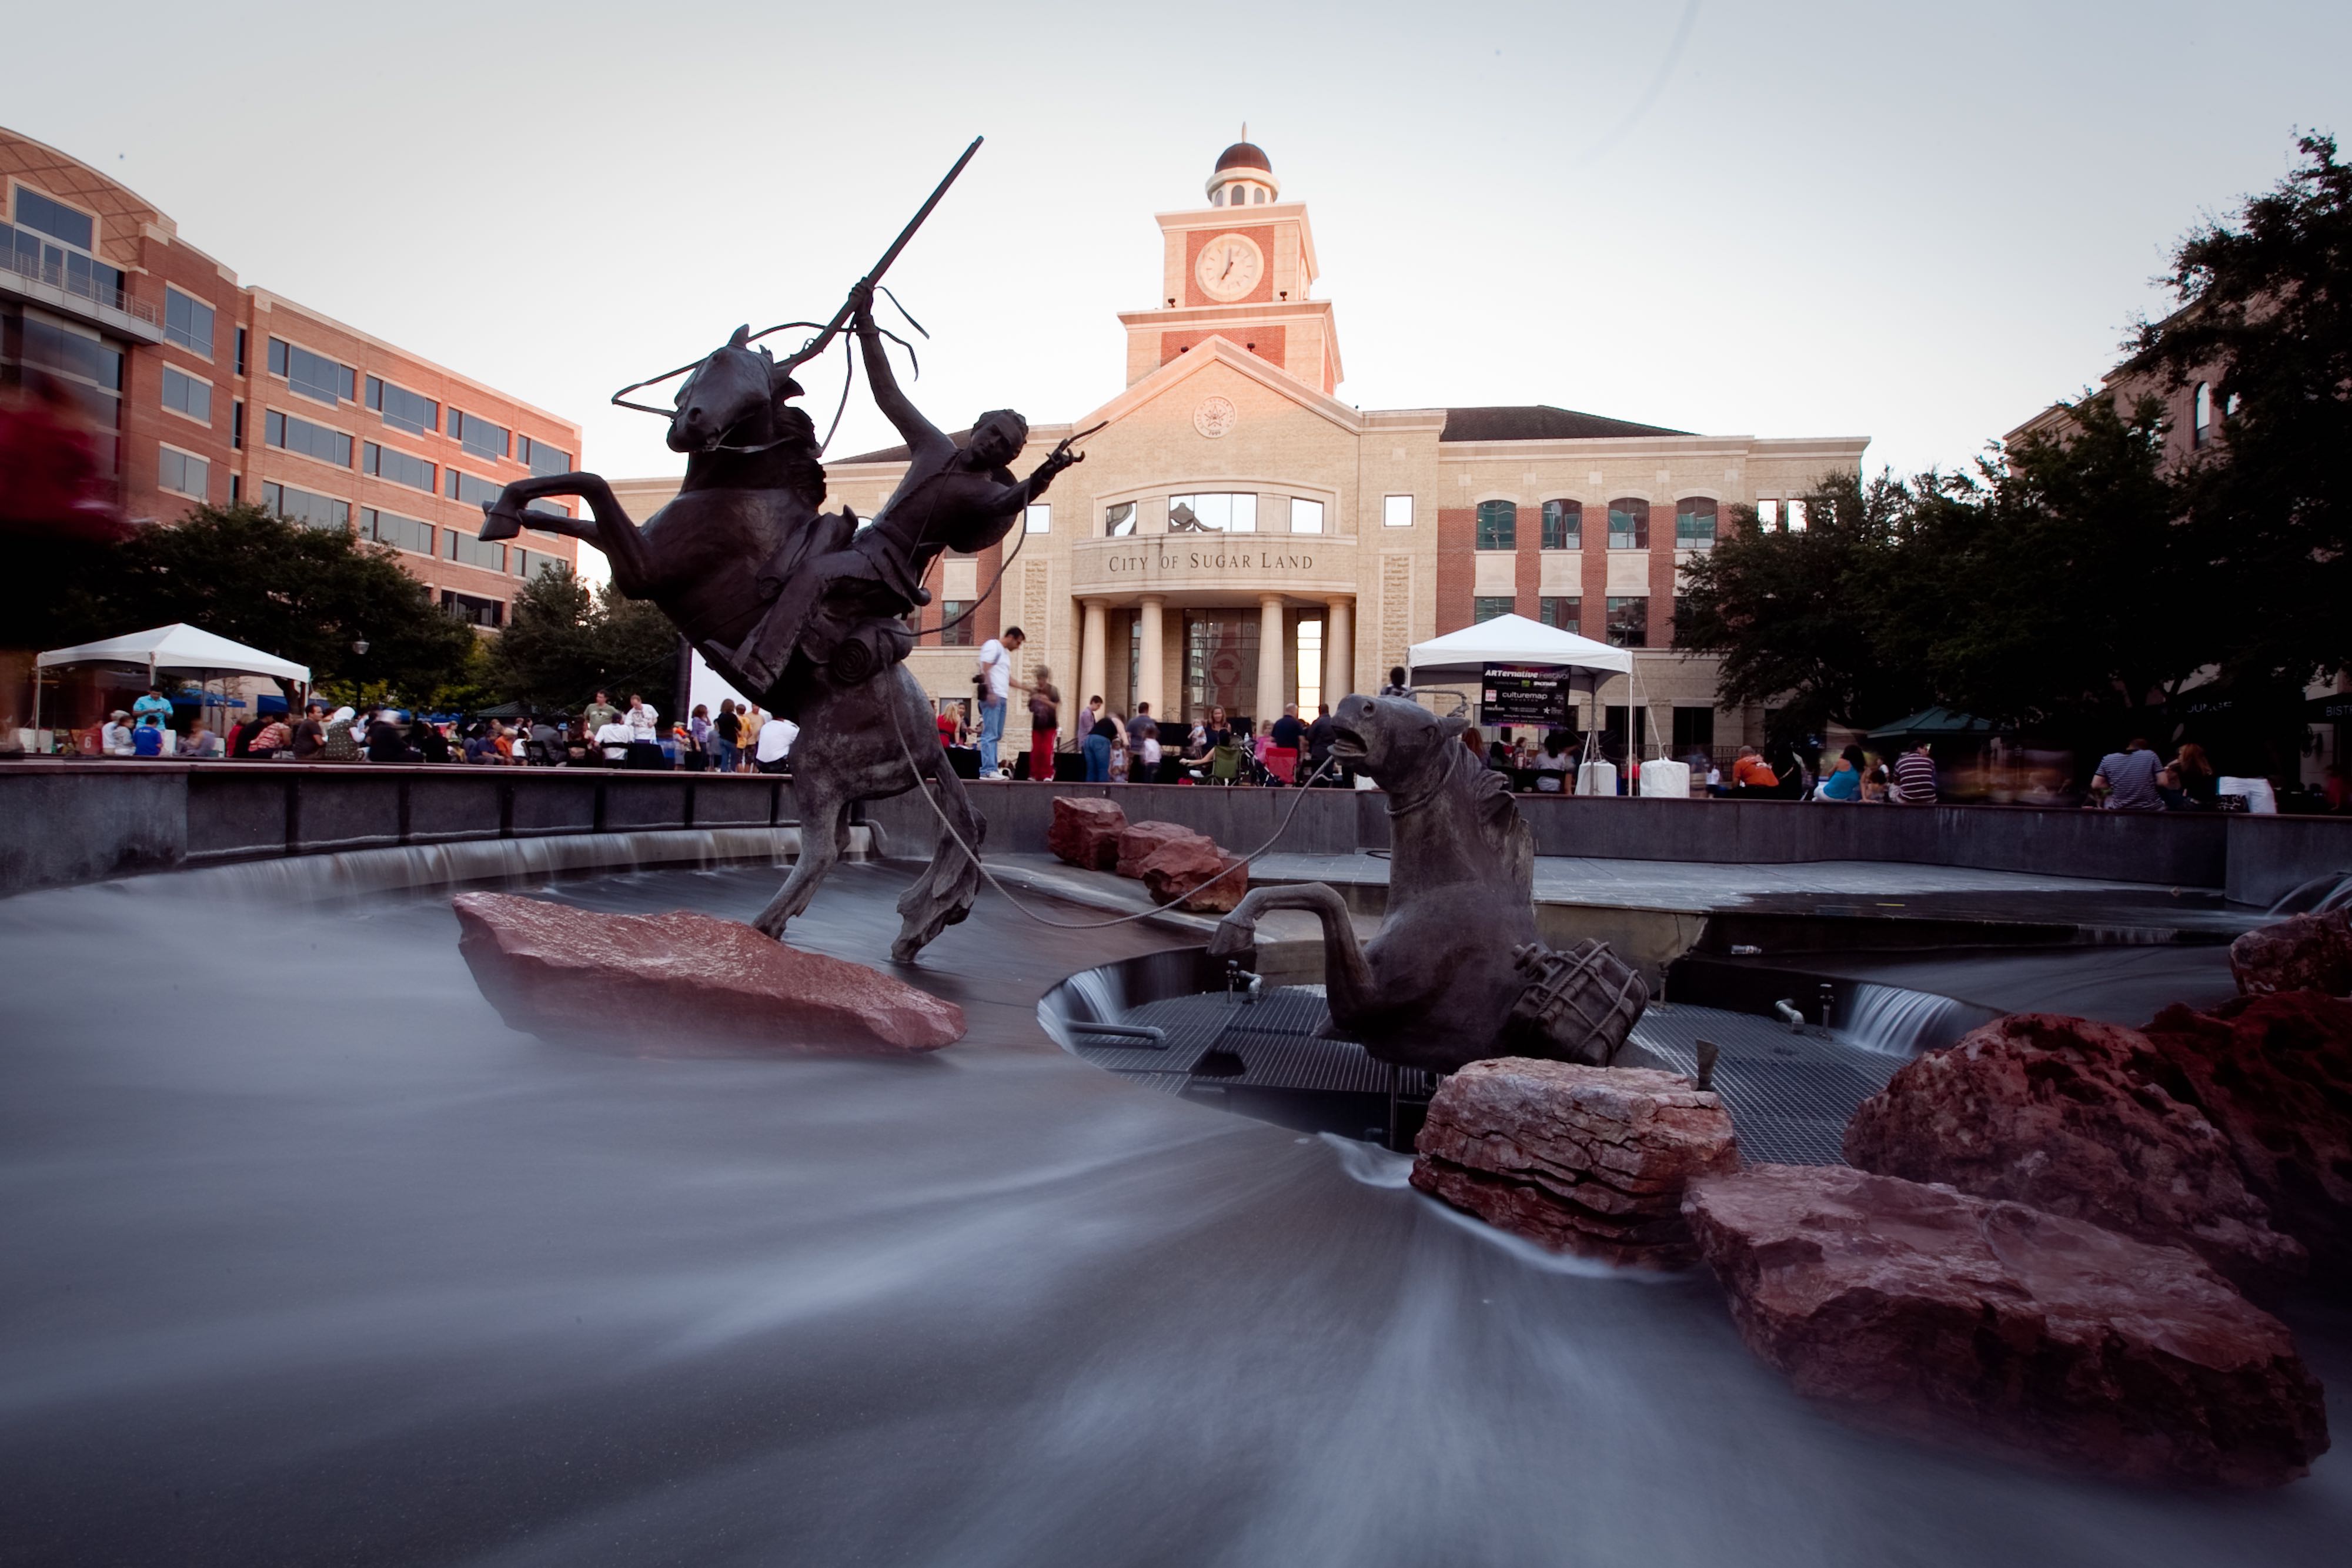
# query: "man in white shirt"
{"points": [[776, 738], [612, 739], [642, 721], [996, 684], [114, 739]]}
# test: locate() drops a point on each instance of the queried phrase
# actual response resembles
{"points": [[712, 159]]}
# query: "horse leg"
{"points": [[823, 825], [944, 895], [608, 528], [1347, 978]]}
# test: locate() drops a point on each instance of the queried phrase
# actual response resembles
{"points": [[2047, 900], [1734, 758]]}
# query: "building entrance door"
{"points": [[1220, 663]]}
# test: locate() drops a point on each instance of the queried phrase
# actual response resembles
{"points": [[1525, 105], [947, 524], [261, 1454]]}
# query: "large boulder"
{"points": [[1591, 1160], [1965, 1319], [1138, 841], [679, 983], [2301, 953], [2061, 1113], [1189, 873], [2274, 1075], [1085, 831]]}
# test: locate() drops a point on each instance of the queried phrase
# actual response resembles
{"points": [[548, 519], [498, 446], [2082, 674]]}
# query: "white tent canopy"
{"points": [[180, 646], [1512, 640]]}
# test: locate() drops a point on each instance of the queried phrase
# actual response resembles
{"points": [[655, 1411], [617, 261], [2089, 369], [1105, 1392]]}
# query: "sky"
{"points": [[1916, 223]]}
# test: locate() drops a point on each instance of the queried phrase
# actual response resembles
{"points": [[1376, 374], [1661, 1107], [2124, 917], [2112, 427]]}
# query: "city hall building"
{"points": [[1239, 535]]}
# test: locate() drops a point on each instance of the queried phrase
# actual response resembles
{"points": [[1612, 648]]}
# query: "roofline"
{"points": [[264, 298]]}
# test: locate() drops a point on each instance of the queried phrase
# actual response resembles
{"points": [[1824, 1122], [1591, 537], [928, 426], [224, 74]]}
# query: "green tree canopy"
{"points": [[563, 644]]}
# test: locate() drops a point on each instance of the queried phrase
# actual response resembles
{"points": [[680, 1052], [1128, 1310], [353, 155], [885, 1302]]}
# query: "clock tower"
{"points": [[1238, 268]]}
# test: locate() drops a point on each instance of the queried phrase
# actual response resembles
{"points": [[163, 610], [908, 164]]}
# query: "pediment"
{"points": [[1206, 359]]}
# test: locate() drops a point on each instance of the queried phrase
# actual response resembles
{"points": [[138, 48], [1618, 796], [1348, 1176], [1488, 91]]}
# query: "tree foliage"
{"points": [[563, 644]]}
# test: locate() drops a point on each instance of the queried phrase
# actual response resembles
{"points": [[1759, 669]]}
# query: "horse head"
{"points": [[1401, 744], [737, 397]]}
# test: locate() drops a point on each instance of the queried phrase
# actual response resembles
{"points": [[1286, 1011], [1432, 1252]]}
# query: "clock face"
{"points": [[1229, 268]]}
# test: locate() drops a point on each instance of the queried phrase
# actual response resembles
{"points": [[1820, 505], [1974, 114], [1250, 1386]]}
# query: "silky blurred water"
{"points": [[309, 1258]]}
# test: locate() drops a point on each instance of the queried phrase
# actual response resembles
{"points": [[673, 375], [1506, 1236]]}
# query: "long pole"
{"points": [[816, 345]]}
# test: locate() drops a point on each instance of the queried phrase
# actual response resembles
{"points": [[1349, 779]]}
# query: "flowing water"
{"points": [[309, 1258]]}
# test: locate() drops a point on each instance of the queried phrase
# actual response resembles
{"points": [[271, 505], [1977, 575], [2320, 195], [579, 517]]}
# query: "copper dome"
{"points": [[1244, 155]]}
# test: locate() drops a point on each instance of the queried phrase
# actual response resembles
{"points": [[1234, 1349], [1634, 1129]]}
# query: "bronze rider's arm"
{"points": [[919, 433]]}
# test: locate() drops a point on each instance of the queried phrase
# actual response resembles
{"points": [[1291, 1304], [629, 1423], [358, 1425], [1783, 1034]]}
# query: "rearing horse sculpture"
{"points": [[744, 522]]}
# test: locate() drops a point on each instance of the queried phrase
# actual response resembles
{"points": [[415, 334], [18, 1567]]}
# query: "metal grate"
{"points": [[1791, 1095]]}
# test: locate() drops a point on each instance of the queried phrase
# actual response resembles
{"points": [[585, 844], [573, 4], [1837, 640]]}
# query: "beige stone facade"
{"points": [[1328, 535]]}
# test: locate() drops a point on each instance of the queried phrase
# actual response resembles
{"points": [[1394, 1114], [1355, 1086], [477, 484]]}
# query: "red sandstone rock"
{"points": [[1085, 831], [1186, 873], [1927, 1311], [1138, 840], [2061, 1113], [1591, 1160], [2301, 953], [2274, 1075], [674, 983]]}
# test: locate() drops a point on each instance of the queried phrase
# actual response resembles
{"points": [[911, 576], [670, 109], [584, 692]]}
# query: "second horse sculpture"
{"points": [[1457, 973]]}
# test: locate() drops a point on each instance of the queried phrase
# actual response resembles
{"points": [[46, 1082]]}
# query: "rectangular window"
{"points": [[1629, 525], [399, 532], [1563, 525], [391, 463], [1694, 523], [1305, 517], [188, 321], [473, 610], [1629, 622], [314, 376], [294, 434], [1118, 521], [1485, 608], [1566, 613], [1796, 516], [184, 474], [1396, 512], [541, 458], [1038, 518], [236, 489], [459, 485], [550, 509], [1498, 526], [403, 409], [302, 506], [183, 393], [55, 219], [460, 546], [479, 435], [1212, 514], [236, 426], [1768, 515], [240, 350], [960, 634], [530, 563], [22, 250], [1693, 731]]}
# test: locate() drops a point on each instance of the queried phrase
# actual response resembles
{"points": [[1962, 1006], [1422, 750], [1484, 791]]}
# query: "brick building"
{"points": [[1240, 536], [204, 389]]}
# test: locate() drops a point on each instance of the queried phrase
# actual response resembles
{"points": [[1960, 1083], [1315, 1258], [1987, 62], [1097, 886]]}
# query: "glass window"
{"points": [[317, 442], [240, 350], [1629, 622], [458, 545], [188, 321], [1565, 613], [1213, 513], [315, 376], [459, 485], [1310, 666], [552, 508], [1483, 608], [1796, 516], [1694, 730], [392, 528], [55, 219], [183, 474], [1629, 525], [1038, 519], [1767, 515], [391, 463], [1305, 517], [2201, 427], [1694, 523], [183, 393], [530, 563], [1499, 524], [302, 506], [1396, 512], [1563, 525], [541, 458], [237, 424], [473, 610], [479, 435], [955, 634], [403, 409], [1118, 521]]}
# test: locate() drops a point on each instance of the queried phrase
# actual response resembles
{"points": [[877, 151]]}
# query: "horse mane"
{"points": [[802, 467]]}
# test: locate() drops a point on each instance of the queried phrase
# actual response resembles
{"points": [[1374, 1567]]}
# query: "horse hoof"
{"points": [[903, 951]]}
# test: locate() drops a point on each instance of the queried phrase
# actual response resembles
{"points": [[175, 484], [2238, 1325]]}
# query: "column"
{"points": [[1339, 650], [1148, 680], [1272, 648], [1090, 662]]}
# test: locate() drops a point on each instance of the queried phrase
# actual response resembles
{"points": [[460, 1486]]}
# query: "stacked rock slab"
{"points": [[1085, 831], [679, 984], [1591, 1160], [2065, 1114], [1922, 1310], [2301, 953], [1191, 872], [1138, 841]]}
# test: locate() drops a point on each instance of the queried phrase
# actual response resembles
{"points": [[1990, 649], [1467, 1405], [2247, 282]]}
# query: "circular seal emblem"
{"points": [[1213, 417]]}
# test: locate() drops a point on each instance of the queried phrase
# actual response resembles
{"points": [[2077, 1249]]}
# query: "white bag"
{"points": [[1670, 780], [1597, 778]]}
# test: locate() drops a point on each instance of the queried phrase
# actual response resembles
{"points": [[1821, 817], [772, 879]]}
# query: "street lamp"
{"points": [[359, 645]]}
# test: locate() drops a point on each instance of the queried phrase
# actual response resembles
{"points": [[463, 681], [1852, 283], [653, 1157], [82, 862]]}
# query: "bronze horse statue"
{"points": [[745, 522]]}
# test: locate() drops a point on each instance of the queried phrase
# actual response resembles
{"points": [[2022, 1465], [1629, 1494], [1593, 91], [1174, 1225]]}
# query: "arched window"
{"points": [[1563, 525], [1499, 524], [1257, 194], [2200, 424], [1629, 524], [1217, 197], [1694, 523]]}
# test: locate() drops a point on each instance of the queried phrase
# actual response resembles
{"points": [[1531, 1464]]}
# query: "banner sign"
{"points": [[1525, 694]]}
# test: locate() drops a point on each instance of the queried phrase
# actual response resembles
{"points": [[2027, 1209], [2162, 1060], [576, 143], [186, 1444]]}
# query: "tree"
{"points": [[563, 644]]}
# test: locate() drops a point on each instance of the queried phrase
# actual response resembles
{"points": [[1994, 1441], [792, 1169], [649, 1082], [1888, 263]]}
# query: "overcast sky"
{"points": [[1919, 223]]}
